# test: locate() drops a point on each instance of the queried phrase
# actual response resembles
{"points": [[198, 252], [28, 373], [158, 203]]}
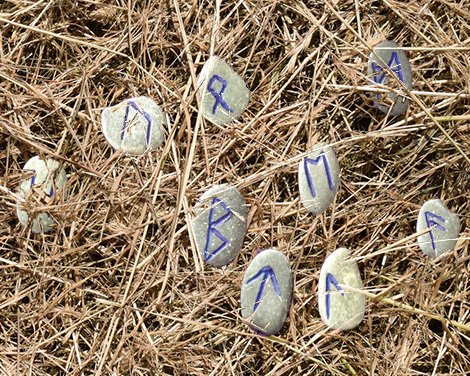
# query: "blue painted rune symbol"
{"points": [[394, 65], [33, 180], [140, 111], [213, 230], [218, 96], [268, 273], [321, 158], [330, 280], [430, 222]]}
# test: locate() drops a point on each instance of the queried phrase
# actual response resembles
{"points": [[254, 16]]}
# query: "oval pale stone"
{"points": [[388, 58], [135, 126], [220, 224], [444, 225], [339, 307], [319, 178], [224, 95], [266, 293], [47, 176]]}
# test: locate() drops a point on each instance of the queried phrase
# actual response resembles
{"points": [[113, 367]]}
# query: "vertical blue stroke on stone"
{"points": [[394, 65], [212, 229], [140, 111], [431, 223], [267, 272], [33, 179], [321, 158], [330, 279], [218, 96]]}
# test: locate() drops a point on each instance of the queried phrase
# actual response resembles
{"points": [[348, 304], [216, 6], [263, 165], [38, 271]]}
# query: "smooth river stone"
{"points": [[389, 55], [445, 228], [224, 95], [339, 307], [266, 293], [135, 126], [220, 224], [57, 179], [319, 178]]}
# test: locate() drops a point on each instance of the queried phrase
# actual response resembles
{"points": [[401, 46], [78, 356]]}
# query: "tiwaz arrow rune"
{"points": [[267, 272]]}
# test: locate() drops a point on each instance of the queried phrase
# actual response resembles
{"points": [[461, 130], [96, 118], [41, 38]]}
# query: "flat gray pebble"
{"points": [[445, 228], [220, 224], [319, 178], [266, 293], [389, 56], [339, 307]]}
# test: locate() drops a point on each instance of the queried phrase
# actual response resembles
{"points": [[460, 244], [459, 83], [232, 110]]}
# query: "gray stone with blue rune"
{"points": [[340, 307], [444, 225], [319, 178], [135, 126], [224, 95], [266, 293], [220, 224], [46, 176], [386, 59]]}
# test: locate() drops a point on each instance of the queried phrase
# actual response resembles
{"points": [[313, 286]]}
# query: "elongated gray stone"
{"points": [[339, 307], [266, 293], [388, 58], [135, 126], [319, 178], [444, 225], [46, 175], [224, 95], [220, 224]]}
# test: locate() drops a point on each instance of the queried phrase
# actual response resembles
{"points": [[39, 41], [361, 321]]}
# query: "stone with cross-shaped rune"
{"points": [[340, 307], [444, 228], [47, 176], [135, 126], [220, 224], [389, 59], [224, 95], [319, 178]]}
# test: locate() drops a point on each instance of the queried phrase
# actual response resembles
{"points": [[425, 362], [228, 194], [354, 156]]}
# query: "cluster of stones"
{"points": [[137, 126]]}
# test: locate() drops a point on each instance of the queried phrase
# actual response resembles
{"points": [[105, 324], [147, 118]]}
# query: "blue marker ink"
{"points": [[430, 222], [394, 65], [218, 96], [140, 111], [320, 158], [33, 179], [267, 272], [330, 280], [212, 229]]}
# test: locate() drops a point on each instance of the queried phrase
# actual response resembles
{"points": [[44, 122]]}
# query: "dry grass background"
{"points": [[117, 288]]}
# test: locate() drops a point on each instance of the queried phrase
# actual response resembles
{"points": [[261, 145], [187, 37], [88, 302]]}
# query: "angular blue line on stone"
{"points": [[330, 279], [212, 229], [267, 272], [218, 96], [321, 158], [431, 223], [394, 65], [140, 111]]}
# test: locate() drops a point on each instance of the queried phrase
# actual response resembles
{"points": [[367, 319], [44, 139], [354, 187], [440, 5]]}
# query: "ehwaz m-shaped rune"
{"points": [[431, 223], [394, 65], [267, 273], [140, 111], [330, 279], [219, 99], [320, 158], [212, 230]]}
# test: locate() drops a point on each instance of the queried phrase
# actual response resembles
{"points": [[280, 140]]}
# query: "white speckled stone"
{"points": [[50, 180], [224, 95], [445, 228], [220, 224], [390, 54], [266, 293], [135, 126], [339, 307], [318, 193]]}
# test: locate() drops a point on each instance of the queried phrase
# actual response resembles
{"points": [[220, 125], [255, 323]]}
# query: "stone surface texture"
{"points": [[318, 189], [388, 57], [339, 307], [135, 126], [266, 293], [224, 95], [445, 228]]}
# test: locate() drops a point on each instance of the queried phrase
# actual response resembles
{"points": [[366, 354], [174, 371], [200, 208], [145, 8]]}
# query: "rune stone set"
{"points": [[137, 126]]}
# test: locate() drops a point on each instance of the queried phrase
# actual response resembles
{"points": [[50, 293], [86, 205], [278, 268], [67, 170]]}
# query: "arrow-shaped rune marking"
{"points": [[140, 111], [320, 158], [267, 272], [431, 223], [330, 279], [212, 229]]}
